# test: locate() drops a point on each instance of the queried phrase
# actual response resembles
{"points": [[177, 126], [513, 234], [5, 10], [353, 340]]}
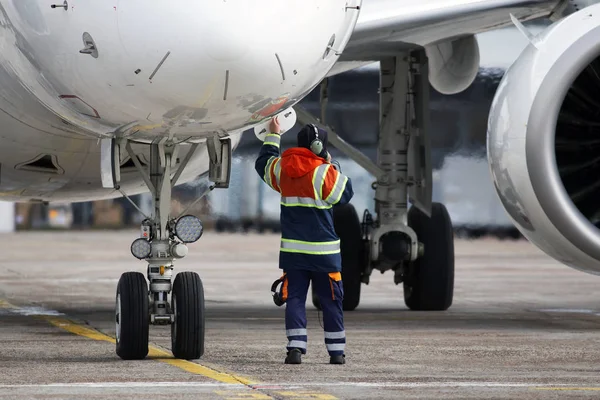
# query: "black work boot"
{"points": [[337, 359], [294, 356]]}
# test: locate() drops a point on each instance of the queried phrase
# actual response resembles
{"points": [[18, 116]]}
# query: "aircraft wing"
{"points": [[387, 27], [390, 25]]}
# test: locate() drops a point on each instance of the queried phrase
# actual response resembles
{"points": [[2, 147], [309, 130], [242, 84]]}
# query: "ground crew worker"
{"points": [[310, 248]]}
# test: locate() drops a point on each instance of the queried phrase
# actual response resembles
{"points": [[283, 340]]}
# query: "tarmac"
{"points": [[521, 326]]}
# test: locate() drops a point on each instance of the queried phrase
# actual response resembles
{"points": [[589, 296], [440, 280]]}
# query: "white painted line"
{"points": [[122, 385], [425, 384], [568, 310], [31, 311], [8, 308], [290, 385]]}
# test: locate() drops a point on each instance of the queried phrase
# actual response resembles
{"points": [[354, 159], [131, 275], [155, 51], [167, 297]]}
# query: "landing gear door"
{"points": [[110, 168], [419, 149], [219, 152]]}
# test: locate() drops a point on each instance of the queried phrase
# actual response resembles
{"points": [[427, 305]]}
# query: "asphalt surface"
{"points": [[521, 326]]}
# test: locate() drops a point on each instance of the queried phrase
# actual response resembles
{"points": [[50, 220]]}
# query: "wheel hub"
{"points": [[395, 246]]}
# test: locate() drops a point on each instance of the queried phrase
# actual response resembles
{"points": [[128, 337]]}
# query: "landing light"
{"points": [[189, 229], [141, 248]]}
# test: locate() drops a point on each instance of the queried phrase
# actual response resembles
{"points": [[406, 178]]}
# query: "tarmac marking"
{"points": [[155, 352], [163, 356], [236, 395], [568, 388], [6, 304], [285, 389], [122, 385], [306, 396]]}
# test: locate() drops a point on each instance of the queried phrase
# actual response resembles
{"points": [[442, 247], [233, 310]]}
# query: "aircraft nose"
{"points": [[205, 32], [222, 31], [232, 57]]}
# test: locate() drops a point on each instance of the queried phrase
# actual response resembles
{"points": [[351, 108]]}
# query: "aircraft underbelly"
{"points": [[55, 165]]}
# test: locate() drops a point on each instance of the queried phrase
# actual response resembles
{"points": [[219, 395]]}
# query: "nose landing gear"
{"points": [[163, 239]]}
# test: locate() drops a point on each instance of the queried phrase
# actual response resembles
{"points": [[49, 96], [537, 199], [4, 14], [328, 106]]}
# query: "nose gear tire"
{"points": [[429, 282], [187, 332], [132, 316]]}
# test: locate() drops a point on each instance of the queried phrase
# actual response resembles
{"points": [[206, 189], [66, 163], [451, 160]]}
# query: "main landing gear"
{"points": [[163, 240], [416, 243]]}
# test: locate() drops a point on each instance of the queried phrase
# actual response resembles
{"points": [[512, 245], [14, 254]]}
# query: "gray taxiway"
{"points": [[521, 326]]}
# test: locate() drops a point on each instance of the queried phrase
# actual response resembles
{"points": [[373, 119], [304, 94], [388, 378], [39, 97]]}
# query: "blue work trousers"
{"points": [[331, 294]]}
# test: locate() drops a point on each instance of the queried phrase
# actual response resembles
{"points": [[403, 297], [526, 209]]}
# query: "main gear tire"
{"points": [[131, 316], [315, 297], [187, 303], [347, 227], [429, 282]]}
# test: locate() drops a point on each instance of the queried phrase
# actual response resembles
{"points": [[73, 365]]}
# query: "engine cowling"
{"points": [[543, 140], [453, 64]]}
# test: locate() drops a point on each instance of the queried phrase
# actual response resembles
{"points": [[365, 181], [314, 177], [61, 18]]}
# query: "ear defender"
{"points": [[278, 296], [316, 145]]}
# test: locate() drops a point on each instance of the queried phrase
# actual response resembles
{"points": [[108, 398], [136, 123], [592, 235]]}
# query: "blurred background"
{"points": [[461, 175]]}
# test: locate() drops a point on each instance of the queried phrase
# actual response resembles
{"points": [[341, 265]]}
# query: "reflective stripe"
{"points": [[299, 344], [268, 172], [335, 346], [303, 202], [277, 170], [338, 189], [337, 178], [319, 179], [272, 139], [295, 332], [335, 335], [339, 195], [316, 248]]}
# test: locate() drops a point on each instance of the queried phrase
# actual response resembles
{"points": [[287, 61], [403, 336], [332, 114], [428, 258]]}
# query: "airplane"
{"points": [[102, 99]]}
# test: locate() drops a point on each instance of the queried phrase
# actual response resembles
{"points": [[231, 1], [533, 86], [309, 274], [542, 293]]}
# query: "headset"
{"points": [[316, 145], [277, 295]]}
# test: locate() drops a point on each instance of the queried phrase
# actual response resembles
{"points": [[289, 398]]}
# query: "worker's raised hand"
{"points": [[274, 126]]}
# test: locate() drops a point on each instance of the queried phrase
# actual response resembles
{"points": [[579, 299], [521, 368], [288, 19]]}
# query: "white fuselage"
{"points": [[184, 70]]}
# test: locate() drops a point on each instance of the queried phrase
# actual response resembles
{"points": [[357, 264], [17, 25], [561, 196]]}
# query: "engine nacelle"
{"points": [[543, 140], [453, 64]]}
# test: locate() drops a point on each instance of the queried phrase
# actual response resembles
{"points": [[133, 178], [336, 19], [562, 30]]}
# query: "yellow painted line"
{"points": [[5, 304], [229, 395], [197, 368], [154, 352], [238, 395], [78, 329], [306, 396], [166, 357]]}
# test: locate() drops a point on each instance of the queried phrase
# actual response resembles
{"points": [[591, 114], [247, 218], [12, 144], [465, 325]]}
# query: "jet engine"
{"points": [[543, 140]]}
